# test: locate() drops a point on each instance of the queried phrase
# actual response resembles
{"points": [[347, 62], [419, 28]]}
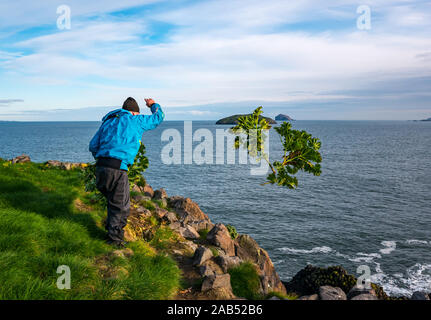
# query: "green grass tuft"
{"points": [[245, 281]]}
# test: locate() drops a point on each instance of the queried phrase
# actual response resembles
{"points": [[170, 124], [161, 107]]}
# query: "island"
{"points": [[234, 119], [283, 117], [429, 119]]}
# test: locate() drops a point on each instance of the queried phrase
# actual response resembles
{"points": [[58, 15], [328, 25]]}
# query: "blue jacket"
{"points": [[120, 134]]}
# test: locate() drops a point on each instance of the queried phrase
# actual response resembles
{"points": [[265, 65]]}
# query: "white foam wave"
{"points": [[323, 249], [415, 278], [389, 247], [414, 241]]}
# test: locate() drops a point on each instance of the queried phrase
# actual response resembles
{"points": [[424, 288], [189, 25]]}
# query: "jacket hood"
{"points": [[113, 113]]}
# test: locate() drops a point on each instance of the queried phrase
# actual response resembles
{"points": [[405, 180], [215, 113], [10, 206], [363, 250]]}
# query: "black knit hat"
{"points": [[131, 105]]}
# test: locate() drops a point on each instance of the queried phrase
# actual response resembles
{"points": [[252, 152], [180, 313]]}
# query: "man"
{"points": [[115, 146]]}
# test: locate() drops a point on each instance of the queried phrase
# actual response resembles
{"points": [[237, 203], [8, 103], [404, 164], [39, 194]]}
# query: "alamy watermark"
{"points": [[64, 20], [363, 22], [180, 150], [63, 281]]}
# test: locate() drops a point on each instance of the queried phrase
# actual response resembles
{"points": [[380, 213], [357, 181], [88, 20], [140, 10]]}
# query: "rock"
{"points": [[225, 262], [170, 217], [331, 293], [65, 165], [283, 117], [206, 271], [21, 159], [148, 191], [274, 298], [234, 119], [365, 296], [219, 281], [189, 232], [190, 246], [160, 194], [247, 249], [309, 297], [308, 280], [419, 295], [143, 212], [176, 226], [160, 213], [201, 255], [188, 211], [140, 197], [357, 290], [201, 224], [220, 237], [219, 294]]}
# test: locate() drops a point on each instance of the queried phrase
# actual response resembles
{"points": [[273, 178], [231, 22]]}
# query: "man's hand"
{"points": [[149, 102]]}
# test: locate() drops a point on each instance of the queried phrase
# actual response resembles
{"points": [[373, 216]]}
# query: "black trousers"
{"points": [[114, 185]]}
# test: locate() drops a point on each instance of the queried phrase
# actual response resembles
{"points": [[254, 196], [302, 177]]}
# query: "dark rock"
{"points": [[160, 194], [220, 237], [365, 296], [202, 254], [308, 280], [309, 297], [357, 290], [419, 295], [331, 293]]}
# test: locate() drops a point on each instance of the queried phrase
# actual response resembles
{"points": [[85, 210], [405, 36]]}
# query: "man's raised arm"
{"points": [[150, 122]]}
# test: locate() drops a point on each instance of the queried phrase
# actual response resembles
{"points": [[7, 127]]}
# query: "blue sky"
{"points": [[207, 59]]}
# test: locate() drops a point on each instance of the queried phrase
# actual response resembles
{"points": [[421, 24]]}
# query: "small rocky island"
{"points": [[234, 119], [283, 117]]}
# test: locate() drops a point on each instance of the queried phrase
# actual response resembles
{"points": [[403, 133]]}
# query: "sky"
{"points": [[203, 60]]}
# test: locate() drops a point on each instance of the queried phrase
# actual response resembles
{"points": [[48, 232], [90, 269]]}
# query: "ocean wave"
{"points": [[415, 278], [414, 241], [323, 249], [389, 247]]}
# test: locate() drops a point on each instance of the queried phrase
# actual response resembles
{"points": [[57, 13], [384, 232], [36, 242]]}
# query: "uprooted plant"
{"points": [[135, 175], [301, 150]]}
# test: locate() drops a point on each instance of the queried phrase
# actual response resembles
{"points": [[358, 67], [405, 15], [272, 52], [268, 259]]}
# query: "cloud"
{"points": [[7, 102], [215, 52]]}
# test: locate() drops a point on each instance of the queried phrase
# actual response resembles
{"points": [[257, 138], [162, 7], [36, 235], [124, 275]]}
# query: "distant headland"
{"points": [[283, 117], [234, 119]]}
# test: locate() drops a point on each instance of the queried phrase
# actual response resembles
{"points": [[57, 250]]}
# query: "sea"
{"points": [[371, 206]]}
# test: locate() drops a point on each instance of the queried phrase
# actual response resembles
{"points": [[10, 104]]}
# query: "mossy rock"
{"points": [[308, 280]]}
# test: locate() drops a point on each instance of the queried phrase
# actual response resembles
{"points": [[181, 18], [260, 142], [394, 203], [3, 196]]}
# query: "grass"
{"points": [[245, 281], [203, 233], [47, 220]]}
